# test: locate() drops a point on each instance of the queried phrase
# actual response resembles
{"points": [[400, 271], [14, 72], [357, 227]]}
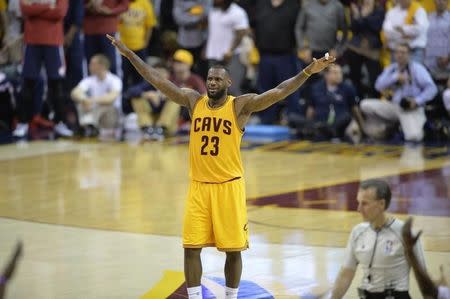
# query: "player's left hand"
{"points": [[119, 45], [319, 64]]}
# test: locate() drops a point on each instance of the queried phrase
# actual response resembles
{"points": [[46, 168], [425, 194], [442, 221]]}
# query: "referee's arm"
{"points": [[343, 282], [347, 272]]}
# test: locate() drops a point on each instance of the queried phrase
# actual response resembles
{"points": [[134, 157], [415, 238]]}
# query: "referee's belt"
{"points": [[385, 295]]}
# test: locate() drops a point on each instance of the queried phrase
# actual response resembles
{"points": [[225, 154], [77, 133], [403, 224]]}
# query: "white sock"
{"points": [[231, 293], [195, 292]]}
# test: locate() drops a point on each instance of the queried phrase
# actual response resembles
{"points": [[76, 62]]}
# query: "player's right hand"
{"points": [[119, 45]]}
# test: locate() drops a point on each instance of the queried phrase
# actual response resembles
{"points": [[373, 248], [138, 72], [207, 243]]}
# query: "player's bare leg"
{"points": [[192, 266], [233, 269]]}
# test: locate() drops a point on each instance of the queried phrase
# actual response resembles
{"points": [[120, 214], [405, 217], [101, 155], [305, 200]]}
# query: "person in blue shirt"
{"points": [[407, 86], [331, 106]]}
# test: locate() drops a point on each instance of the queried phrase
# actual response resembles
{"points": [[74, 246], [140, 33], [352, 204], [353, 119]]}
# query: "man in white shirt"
{"points": [[377, 246], [227, 25], [98, 98], [407, 22]]}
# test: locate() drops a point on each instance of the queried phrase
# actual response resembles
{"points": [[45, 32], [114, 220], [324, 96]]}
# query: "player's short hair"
{"points": [[103, 60], [219, 66], [382, 190]]}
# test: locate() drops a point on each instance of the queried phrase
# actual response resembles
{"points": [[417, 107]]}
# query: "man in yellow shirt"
{"points": [[3, 22], [216, 212], [135, 28]]}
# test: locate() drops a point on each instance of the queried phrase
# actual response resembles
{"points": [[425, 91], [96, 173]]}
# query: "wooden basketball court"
{"points": [[103, 220]]}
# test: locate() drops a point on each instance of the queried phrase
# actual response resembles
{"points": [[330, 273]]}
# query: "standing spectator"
{"points": [[73, 45], [275, 40], [98, 98], [3, 21], [318, 23], [376, 245], [191, 17], [406, 22], [409, 86], [44, 37], [101, 18], [135, 28], [437, 53], [363, 50], [227, 25]]}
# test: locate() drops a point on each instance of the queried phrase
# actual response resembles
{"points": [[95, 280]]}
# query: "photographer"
{"points": [[408, 86]]}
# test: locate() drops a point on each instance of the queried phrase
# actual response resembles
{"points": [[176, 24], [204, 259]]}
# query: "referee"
{"points": [[377, 245]]}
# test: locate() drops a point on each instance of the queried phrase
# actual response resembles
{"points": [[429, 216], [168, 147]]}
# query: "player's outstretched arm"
{"points": [[255, 102], [426, 285], [182, 96]]}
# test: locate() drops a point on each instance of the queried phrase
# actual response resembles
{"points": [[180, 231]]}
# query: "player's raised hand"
{"points": [[319, 64], [119, 45], [408, 238]]}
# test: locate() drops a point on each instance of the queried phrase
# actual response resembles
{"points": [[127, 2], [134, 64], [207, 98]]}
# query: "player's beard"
{"points": [[217, 96]]}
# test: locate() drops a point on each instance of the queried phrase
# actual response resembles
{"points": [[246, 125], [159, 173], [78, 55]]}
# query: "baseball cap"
{"points": [[183, 56]]}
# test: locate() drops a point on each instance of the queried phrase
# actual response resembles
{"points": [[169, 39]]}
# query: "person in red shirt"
{"points": [[43, 39], [101, 17]]}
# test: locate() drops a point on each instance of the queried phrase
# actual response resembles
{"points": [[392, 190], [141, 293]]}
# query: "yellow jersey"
{"points": [[215, 141], [3, 5], [135, 22]]}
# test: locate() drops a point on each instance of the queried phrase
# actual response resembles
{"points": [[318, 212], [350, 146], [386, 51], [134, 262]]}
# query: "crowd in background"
{"points": [[59, 72]]}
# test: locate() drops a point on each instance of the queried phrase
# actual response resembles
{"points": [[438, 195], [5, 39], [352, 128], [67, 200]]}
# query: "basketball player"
{"points": [[216, 212]]}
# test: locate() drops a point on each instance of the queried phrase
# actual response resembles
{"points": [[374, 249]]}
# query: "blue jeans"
{"points": [[274, 69]]}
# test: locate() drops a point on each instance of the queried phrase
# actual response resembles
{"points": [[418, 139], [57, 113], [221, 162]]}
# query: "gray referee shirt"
{"points": [[381, 255]]}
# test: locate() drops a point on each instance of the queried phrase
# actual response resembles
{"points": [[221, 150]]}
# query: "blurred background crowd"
{"points": [[60, 74]]}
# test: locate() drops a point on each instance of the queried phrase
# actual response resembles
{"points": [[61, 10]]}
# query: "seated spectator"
{"points": [[408, 86], [153, 117], [331, 106], [406, 22], [157, 117], [98, 99], [437, 53]]}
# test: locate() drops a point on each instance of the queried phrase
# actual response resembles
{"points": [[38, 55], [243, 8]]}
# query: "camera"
{"points": [[405, 104]]}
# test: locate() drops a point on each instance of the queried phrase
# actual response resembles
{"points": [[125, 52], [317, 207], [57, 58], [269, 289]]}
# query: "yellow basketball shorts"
{"points": [[216, 215]]}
